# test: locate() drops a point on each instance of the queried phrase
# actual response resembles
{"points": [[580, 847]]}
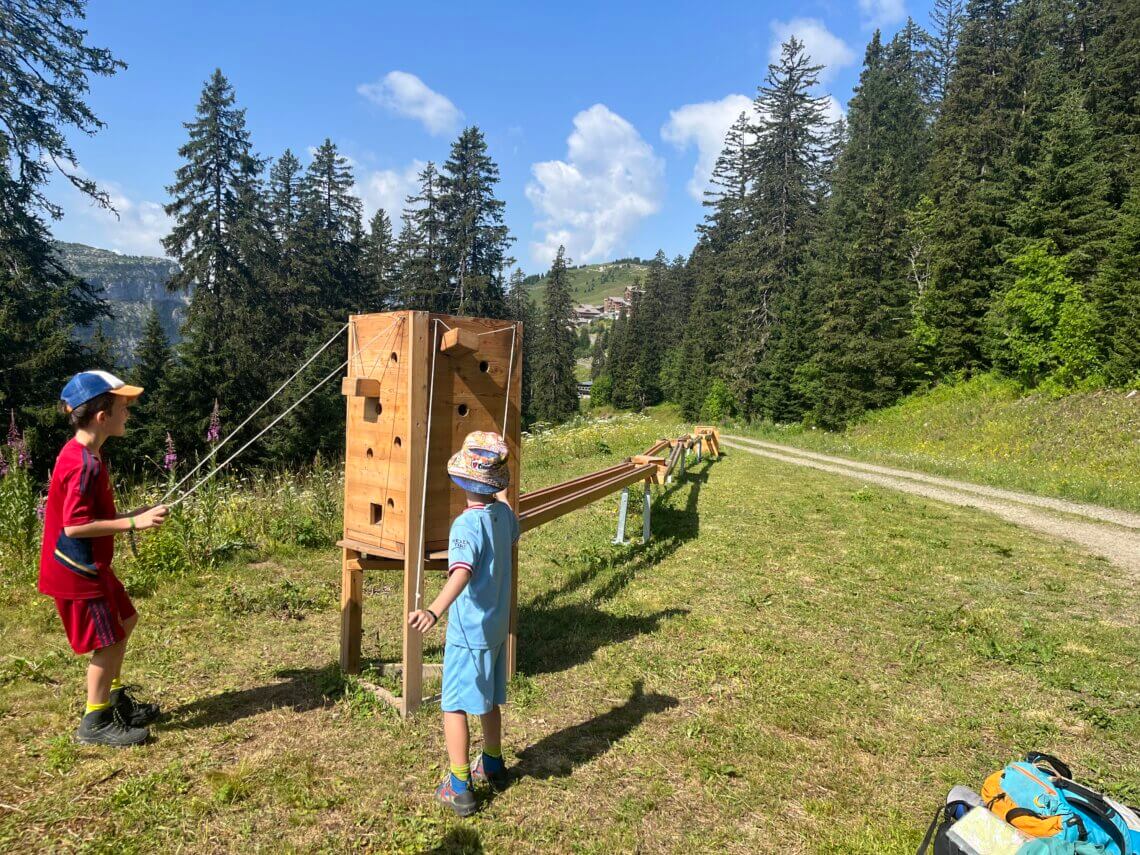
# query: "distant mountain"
{"points": [[131, 284], [592, 283]]}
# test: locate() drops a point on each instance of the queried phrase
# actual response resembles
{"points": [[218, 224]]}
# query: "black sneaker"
{"points": [[460, 801], [499, 780], [134, 712], [108, 727]]}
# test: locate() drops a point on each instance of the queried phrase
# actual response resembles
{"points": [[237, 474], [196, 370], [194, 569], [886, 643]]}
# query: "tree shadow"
{"points": [[557, 755], [300, 690]]}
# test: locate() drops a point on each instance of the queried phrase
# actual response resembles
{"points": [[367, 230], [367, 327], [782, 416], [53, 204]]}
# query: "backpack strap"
{"points": [[1095, 804], [930, 830], [1058, 767]]}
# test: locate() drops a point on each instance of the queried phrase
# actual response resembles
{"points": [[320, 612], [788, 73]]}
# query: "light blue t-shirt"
{"points": [[480, 540]]}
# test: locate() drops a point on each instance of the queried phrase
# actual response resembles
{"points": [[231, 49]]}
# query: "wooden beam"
{"points": [[458, 342], [419, 360], [360, 387], [565, 504], [351, 602]]}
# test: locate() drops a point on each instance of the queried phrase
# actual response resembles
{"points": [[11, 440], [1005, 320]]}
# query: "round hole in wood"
{"points": [[484, 365], [368, 454], [462, 410], [392, 503], [397, 442], [395, 357]]}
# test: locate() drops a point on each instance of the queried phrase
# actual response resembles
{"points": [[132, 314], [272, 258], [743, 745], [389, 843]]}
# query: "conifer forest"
{"points": [[977, 209]]}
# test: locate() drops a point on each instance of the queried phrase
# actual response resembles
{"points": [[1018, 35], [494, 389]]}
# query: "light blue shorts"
{"points": [[474, 680]]}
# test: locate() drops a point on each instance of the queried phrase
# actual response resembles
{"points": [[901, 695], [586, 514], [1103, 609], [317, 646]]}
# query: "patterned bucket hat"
{"points": [[481, 464]]}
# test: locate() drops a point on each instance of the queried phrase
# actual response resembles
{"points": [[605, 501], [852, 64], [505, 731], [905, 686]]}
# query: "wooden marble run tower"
{"points": [[417, 383]]}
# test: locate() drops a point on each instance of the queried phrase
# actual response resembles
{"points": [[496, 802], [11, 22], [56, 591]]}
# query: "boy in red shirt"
{"points": [[80, 523]]}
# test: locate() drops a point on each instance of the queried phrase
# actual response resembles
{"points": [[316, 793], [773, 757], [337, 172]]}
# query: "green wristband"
{"points": [[132, 519]]}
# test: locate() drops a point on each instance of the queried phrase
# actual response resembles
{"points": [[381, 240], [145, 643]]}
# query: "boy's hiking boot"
{"points": [[499, 779], [460, 801], [134, 712], [108, 727]]}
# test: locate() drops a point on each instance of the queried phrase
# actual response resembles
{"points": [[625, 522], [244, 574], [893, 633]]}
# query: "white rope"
{"points": [[427, 453], [495, 332], [234, 432], [273, 423]]}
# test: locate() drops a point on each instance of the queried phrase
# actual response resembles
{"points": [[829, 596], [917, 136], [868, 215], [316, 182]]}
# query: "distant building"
{"points": [[584, 314], [612, 306]]}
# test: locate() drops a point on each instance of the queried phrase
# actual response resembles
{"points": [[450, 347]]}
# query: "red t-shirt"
{"points": [[80, 492]]}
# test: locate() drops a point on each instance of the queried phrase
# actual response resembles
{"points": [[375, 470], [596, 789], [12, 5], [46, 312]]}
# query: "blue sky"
{"points": [[604, 118]]}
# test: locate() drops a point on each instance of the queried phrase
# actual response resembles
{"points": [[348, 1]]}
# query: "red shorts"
{"points": [[95, 623]]}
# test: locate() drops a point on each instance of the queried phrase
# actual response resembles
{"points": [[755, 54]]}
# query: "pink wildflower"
{"points": [[170, 459], [214, 432]]}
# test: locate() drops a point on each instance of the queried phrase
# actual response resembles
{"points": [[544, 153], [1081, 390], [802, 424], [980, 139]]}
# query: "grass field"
{"points": [[1084, 446], [792, 664], [592, 283]]}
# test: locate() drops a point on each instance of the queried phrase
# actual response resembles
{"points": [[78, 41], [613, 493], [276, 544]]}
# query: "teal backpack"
{"points": [[1039, 796]]}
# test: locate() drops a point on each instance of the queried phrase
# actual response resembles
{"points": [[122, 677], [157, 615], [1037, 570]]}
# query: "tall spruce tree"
{"points": [[423, 281], [151, 416], [45, 66], [378, 263], [863, 346], [946, 20], [786, 170], [521, 308], [220, 238], [554, 386], [473, 237], [1117, 297]]}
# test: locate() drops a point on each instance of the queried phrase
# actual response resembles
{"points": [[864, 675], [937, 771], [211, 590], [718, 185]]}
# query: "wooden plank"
{"points": [[535, 498], [566, 504], [360, 387], [351, 602], [458, 342], [419, 354]]}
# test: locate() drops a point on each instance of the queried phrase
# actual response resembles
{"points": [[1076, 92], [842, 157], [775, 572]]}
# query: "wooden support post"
{"points": [[351, 600], [646, 510], [419, 353]]}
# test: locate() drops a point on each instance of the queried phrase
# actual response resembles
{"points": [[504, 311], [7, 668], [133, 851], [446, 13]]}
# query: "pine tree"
{"points": [[969, 190], [598, 354], [786, 177], [222, 240], [1068, 196], [474, 238], [521, 308], [151, 417], [947, 18], [1117, 297], [863, 344], [423, 282], [553, 385], [378, 263], [45, 66]]}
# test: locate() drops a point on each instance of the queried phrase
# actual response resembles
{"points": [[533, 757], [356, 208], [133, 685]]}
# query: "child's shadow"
{"points": [[557, 755], [301, 690]]}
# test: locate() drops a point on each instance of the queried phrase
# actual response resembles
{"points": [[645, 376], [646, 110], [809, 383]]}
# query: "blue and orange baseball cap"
{"points": [[90, 384]]}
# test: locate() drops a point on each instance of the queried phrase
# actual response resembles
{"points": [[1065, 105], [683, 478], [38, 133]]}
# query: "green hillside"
{"points": [[1083, 446], [592, 283]]}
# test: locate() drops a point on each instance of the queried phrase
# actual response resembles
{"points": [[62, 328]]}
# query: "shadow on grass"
{"points": [[459, 840], [557, 755], [300, 690], [558, 637]]}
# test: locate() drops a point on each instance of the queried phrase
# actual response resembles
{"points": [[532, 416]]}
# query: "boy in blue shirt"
{"points": [[478, 593]]}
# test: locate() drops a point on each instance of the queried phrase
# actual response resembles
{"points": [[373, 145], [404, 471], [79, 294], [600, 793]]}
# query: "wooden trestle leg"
{"points": [[351, 600]]}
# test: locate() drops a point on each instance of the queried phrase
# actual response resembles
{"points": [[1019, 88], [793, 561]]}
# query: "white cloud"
{"points": [[823, 46], [881, 13], [407, 95], [387, 189], [590, 202], [138, 230], [833, 111], [703, 125]]}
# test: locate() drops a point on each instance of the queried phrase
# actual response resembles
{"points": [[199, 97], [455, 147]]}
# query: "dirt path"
{"points": [[1110, 533]]}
